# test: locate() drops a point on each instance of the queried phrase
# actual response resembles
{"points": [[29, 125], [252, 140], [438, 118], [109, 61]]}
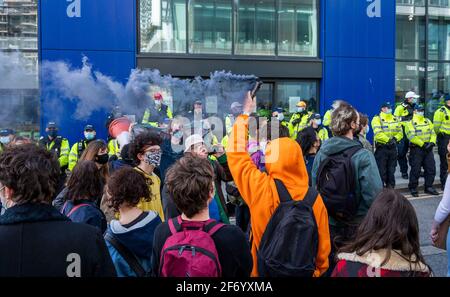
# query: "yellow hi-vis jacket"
{"points": [[385, 127], [420, 130], [441, 120]]}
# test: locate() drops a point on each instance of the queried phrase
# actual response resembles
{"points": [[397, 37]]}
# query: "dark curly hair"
{"points": [[127, 186], [189, 183], [86, 182], [141, 142], [31, 172]]}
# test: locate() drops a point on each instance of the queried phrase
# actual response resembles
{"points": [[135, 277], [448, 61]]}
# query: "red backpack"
{"points": [[190, 251]]}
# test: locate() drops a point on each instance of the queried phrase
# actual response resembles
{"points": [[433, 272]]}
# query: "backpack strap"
{"points": [[175, 225], [75, 208], [127, 255], [283, 193], [351, 151], [311, 196], [212, 227]]}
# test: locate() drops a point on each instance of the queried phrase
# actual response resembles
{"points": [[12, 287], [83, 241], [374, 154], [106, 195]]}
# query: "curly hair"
{"points": [[306, 138], [141, 142], [31, 172], [127, 187], [342, 118], [86, 182], [189, 182]]}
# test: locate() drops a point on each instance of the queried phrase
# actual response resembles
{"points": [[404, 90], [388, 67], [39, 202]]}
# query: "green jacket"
{"points": [[368, 180]]}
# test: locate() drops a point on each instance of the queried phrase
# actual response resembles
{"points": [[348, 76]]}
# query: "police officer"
{"points": [[315, 121], [388, 132], [442, 129], [6, 136], [422, 137], [78, 148], [299, 120], [278, 113], [158, 113], [404, 113], [56, 144]]}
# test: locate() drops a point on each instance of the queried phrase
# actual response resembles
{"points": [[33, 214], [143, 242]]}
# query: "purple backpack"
{"points": [[190, 251]]}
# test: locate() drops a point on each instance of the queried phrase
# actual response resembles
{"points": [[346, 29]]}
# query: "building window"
{"points": [[163, 26], [409, 76], [291, 92], [19, 89], [255, 33], [410, 40], [226, 27], [210, 26], [297, 29]]}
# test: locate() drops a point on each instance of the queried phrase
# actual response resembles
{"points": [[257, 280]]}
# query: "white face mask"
{"points": [[300, 109], [420, 113], [367, 129], [389, 111], [280, 117], [318, 122], [5, 140]]}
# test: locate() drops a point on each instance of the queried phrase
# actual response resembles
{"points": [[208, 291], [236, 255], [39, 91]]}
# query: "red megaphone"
{"points": [[119, 126]]}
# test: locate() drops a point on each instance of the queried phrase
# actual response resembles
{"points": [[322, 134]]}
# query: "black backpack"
{"points": [[336, 184], [290, 242]]}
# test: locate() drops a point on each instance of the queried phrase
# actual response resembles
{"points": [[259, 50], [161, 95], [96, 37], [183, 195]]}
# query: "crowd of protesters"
{"points": [[309, 206]]}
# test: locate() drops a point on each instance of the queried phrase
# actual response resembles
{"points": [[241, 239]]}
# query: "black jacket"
{"points": [[37, 241]]}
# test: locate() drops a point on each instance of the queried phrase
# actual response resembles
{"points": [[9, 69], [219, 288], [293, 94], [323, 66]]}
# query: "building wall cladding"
{"points": [[358, 51]]}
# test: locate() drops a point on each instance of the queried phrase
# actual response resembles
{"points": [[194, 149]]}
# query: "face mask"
{"points": [[153, 159], [3, 201], [102, 159], [52, 133], [318, 122], [280, 117], [420, 113], [300, 109], [367, 129], [414, 101], [5, 139], [389, 111], [178, 134], [158, 103], [89, 135]]}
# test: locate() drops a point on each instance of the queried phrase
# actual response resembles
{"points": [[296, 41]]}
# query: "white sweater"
{"points": [[443, 209]]}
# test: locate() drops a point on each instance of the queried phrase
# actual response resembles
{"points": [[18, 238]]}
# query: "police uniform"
{"points": [[387, 133], [60, 147], [155, 117], [76, 152], [421, 134], [298, 122], [327, 118], [113, 148], [404, 113], [442, 128]]}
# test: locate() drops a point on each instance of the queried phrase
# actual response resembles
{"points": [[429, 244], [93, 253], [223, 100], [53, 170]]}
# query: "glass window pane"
{"points": [[439, 30], [297, 29], [265, 99], [290, 93], [210, 26], [410, 31], [409, 76], [438, 85], [163, 26], [255, 27], [18, 25]]}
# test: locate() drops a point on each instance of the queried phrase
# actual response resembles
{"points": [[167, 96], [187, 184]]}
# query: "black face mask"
{"points": [[102, 159]]}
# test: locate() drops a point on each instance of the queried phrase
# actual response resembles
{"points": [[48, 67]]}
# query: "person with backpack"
{"points": [[84, 188], [309, 141], [37, 240], [192, 244], [286, 215], [130, 239], [346, 175], [386, 244]]}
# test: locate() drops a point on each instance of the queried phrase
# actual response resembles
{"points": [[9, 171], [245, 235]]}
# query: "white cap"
{"points": [[411, 95], [192, 140]]}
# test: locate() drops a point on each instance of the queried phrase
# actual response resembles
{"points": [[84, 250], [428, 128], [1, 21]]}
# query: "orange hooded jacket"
{"points": [[284, 161]]}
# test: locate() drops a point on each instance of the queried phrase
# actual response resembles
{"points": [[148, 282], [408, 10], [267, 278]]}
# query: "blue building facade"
{"points": [[347, 52]]}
